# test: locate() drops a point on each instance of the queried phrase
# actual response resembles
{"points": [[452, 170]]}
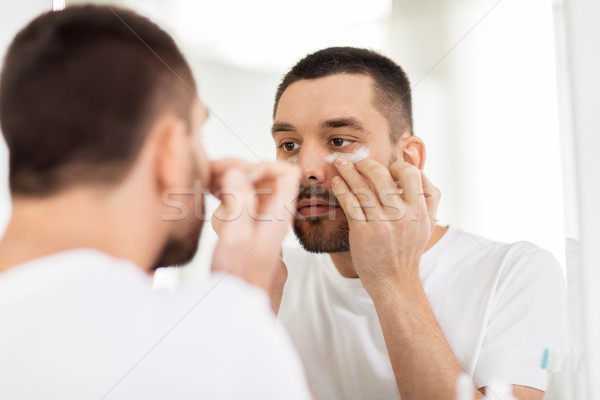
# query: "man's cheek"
{"points": [[291, 160]]}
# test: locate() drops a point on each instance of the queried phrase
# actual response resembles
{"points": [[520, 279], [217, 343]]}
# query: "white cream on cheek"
{"points": [[357, 155], [293, 159]]}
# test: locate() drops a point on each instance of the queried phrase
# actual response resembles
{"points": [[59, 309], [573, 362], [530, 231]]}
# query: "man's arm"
{"points": [[248, 247], [423, 363], [389, 230], [276, 290]]}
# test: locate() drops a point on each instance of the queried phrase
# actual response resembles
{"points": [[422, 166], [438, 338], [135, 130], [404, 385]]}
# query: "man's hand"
{"points": [[253, 217], [391, 215]]}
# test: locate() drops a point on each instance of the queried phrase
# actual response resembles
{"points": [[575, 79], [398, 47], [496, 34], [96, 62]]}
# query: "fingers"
{"points": [[432, 201], [219, 167], [218, 170], [268, 173], [235, 227], [380, 177], [419, 197], [265, 193], [277, 185], [237, 197], [253, 219], [348, 202], [358, 187], [408, 178], [216, 220], [377, 173]]}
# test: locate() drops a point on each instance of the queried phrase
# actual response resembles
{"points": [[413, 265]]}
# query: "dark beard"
{"points": [[311, 231], [178, 252], [181, 249], [315, 240]]}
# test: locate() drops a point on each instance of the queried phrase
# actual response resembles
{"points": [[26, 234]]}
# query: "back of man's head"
{"points": [[78, 91], [391, 85]]}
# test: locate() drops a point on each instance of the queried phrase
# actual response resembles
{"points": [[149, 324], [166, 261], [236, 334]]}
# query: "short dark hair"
{"points": [[78, 91], [392, 87]]}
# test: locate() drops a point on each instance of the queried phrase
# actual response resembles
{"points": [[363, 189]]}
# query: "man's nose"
{"points": [[311, 160]]}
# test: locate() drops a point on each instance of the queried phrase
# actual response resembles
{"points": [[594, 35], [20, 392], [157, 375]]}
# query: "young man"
{"points": [[395, 305], [107, 173]]}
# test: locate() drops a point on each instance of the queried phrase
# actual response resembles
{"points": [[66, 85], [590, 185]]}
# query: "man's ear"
{"points": [[171, 152], [411, 149]]}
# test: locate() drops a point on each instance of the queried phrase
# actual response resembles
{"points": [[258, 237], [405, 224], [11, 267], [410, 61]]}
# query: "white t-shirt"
{"points": [[498, 305], [83, 325]]}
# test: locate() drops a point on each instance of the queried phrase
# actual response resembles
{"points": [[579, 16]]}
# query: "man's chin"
{"points": [[179, 251], [322, 235]]}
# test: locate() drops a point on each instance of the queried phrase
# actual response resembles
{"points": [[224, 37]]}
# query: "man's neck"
{"points": [[76, 219], [343, 261]]}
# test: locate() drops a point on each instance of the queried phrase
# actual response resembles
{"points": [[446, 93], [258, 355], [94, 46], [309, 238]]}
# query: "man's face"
{"points": [[183, 242], [316, 120]]}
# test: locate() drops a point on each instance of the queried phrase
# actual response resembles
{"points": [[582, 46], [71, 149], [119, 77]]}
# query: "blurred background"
{"points": [[485, 74]]}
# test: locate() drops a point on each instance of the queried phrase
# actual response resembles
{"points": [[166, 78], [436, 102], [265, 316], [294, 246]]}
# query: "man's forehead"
{"points": [[335, 97], [342, 121], [330, 86]]}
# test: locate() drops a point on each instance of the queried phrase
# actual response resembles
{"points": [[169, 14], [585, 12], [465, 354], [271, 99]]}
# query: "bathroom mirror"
{"points": [[491, 97]]}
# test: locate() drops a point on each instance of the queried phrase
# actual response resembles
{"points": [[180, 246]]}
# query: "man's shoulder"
{"points": [[465, 254], [88, 294], [469, 243], [115, 287], [84, 273], [515, 253], [196, 332]]}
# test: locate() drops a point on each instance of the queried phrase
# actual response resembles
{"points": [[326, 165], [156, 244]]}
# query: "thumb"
{"points": [[233, 222], [237, 197], [217, 218]]}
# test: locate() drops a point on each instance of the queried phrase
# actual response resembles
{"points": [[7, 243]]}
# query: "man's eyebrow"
{"points": [[282, 127], [347, 122]]}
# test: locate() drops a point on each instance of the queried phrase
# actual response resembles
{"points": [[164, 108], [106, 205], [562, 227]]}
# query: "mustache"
{"points": [[317, 192]]}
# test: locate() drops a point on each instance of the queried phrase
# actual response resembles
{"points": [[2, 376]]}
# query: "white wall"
{"points": [[583, 38], [508, 128]]}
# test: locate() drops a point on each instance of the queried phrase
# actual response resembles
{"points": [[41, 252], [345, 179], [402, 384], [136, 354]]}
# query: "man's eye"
{"points": [[338, 142], [290, 146]]}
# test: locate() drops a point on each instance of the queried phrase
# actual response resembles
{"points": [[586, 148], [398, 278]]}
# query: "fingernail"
{"points": [[341, 160], [336, 180]]}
